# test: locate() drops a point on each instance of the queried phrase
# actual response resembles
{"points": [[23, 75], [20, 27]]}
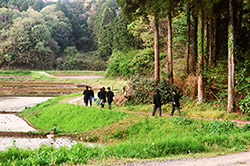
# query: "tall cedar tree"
{"points": [[188, 41], [230, 106]]}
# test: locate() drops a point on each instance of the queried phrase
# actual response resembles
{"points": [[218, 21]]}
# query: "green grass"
{"points": [[75, 72], [15, 72], [69, 118], [145, 139]]}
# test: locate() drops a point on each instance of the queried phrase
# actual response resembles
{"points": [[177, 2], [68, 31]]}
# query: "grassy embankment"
{"points": [[126, 135]]}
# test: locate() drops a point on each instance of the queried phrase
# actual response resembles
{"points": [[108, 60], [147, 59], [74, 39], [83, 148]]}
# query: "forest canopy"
{"points": [[76, 35]]}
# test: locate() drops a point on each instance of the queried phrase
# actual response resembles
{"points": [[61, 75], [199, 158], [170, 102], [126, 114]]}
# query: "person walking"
{"points": [[109, 96], [91, 96], [102, 96], [86, 96], [176, 103], [157, 102]]}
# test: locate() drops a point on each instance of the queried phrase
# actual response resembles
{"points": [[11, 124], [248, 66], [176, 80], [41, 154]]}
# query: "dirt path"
{"points": [[236, 159], [45, 73]]}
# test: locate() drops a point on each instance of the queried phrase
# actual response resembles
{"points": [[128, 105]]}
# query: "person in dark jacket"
{"points": [[157, 102], [86, 96], [176, 103], [102, 96], [91, 96], [109, 96]]}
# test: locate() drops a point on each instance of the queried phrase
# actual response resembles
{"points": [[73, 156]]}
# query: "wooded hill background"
{"points": [[185, 41]]}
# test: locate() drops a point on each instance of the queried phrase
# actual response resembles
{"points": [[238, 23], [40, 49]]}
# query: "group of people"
{"points": [[157, 103], [103, 96]]}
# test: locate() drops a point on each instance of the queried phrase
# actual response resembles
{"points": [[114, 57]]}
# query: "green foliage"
{"points": [[243, 86], [219, 127], [244, 104], [163, 136], [74, 60], [144, 89], [36, 35], [217, 82], [131, 63], [78, 153]]}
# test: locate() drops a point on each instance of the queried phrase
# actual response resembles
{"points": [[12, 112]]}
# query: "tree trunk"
{"points": [[206, 56], [200, 59], [207, 41], [214, 42], [188, 41], [156, 48], [210, 42], [230, 106], [193, 58], [170, 55]]}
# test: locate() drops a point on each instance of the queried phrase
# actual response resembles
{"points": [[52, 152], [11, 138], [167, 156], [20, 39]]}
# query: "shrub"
{"points": [[74, 60], [244, 104], [144, 88], [243, 86]]}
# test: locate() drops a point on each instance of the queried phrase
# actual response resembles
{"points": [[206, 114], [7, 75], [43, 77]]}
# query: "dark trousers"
{"points": [[85, 102], [173, 109], [109, 103], [90, 100], [154, 110]]}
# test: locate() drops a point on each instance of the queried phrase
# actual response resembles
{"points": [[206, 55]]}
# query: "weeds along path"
{"points": [[79, 101]]}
